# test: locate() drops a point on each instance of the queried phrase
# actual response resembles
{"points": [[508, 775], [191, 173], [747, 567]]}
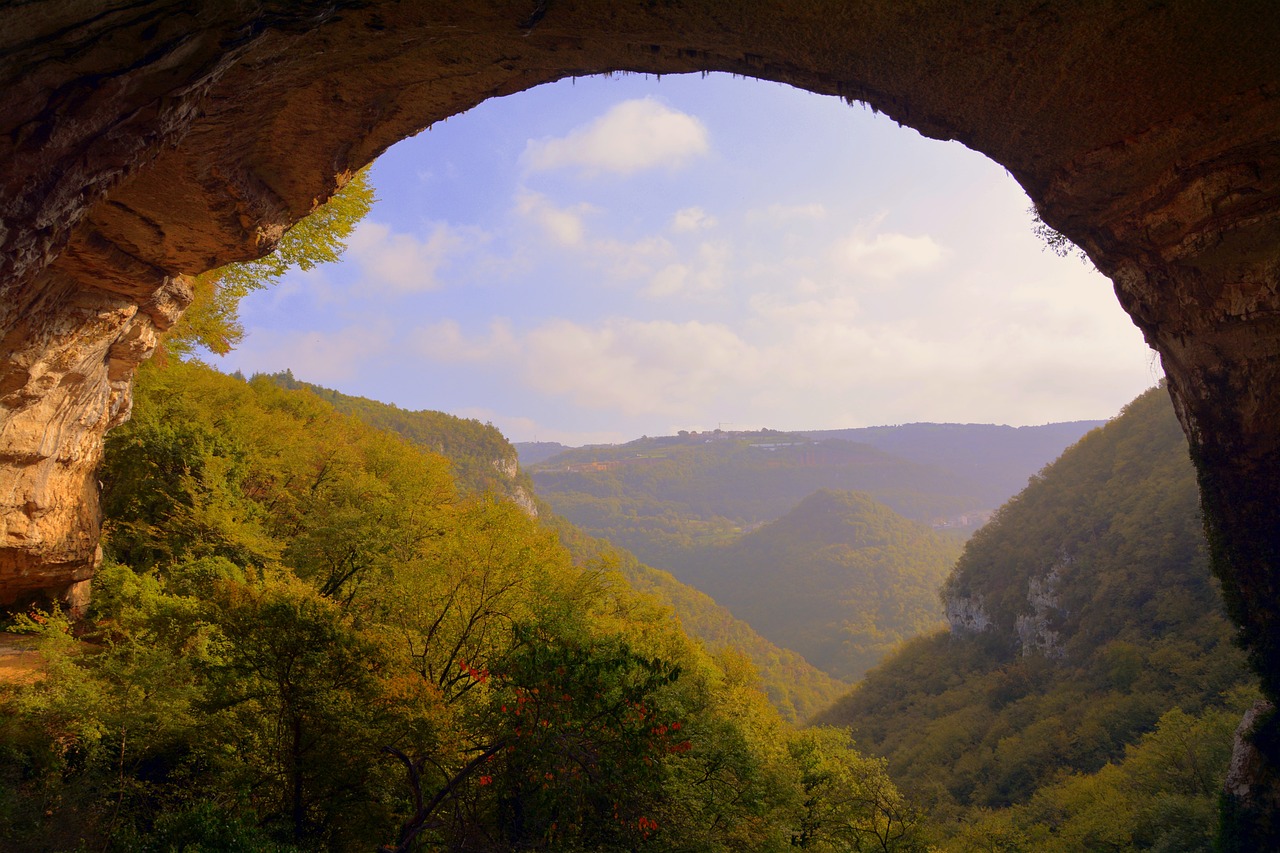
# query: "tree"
{"points": [[212, 320], [1054, 240], [849, 801]]}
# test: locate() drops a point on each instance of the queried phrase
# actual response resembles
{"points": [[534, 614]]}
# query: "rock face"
{"points": [[147, 141], [1036, 632], [967, 615]]}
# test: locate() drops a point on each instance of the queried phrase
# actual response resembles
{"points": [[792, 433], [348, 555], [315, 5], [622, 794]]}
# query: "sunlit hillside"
{"points": [[1081, 616]]}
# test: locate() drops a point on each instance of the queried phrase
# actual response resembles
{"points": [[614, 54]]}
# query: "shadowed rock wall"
{"points": [[142, 142]]}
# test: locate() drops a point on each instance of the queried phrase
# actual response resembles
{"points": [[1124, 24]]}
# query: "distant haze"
{"points": [[994, 460], [600, 259]]}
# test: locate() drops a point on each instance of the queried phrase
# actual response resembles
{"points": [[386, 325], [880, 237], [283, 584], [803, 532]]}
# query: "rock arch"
{"points": [[142, 142]]}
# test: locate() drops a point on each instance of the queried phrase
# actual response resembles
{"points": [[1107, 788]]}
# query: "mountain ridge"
{"points": [[1079, 616], [841, 579]]}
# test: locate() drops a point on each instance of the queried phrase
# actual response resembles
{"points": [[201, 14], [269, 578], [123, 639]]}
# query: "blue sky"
{"points": [[603, 258]]}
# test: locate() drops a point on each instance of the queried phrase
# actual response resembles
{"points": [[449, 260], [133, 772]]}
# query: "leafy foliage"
{"points": [[481, 457], [482, 461], [1084, 612], [305, 638], [1162, 795], [1054, 240], [842, 592], [212, 322], [794, 686]]}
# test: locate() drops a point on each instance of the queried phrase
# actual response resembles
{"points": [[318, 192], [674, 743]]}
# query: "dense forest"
{"points": [[480, 458], [1085, 695], [308, 633], [305, 637], [820, 543], [841, 579], [795, 687], [482, 461]]}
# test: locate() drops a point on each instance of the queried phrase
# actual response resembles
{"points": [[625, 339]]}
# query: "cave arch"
{"points": [[148, 141]]}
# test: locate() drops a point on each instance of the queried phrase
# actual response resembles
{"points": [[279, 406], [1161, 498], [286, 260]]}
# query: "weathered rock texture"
{"points": [[144, 141]]}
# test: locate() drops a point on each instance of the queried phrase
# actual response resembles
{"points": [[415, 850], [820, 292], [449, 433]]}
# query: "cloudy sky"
{"points": [[603, 258]]}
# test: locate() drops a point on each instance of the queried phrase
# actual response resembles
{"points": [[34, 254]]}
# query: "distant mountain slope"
{"points": [[795, 687], [1079, 615], [657, 497], [997, 460], [482, 458], [842, 579], [533, 452]]}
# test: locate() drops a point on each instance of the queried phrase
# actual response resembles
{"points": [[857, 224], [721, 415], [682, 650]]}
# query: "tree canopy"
{"points": [[306, 637], [1088, 638]]}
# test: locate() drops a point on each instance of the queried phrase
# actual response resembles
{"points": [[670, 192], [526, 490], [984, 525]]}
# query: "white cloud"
{"points": [[802, 307], [704, 274], [446, 342], [692, 219], [636, 367], [623, 260], [623, 365], [632, 136], [403, 263], [971, 349], [600, 261], [886, 255], [668, 281], [564, 226]]}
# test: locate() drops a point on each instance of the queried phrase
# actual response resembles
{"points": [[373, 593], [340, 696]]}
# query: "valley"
{"points": [[396, 584]]}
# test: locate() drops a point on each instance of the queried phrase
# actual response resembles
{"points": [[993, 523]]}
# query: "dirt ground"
{"points": [[19, 660]]}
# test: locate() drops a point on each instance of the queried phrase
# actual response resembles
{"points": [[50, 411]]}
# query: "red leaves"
{"points": [[480, 676], [646, 826]]}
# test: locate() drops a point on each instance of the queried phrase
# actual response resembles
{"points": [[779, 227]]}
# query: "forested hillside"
{"points": [[482, 461], [482, 458], [305, 637], [795, 686], [1081, 616], [657, 497], [841, 579], [533, 452]]}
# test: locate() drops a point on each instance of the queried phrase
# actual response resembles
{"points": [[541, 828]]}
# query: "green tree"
{"points": [[849, 801], [212, 319], [299, 700]]}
